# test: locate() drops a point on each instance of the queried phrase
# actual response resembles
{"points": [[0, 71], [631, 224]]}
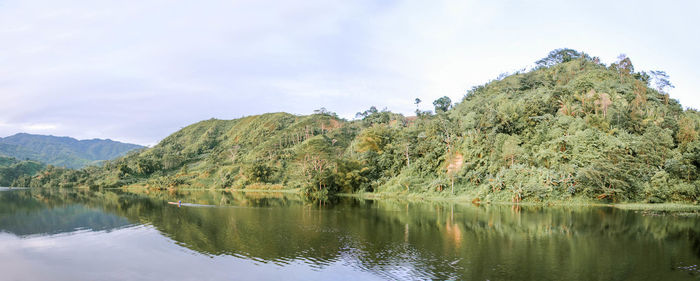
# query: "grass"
{"points": [[668, 207]]}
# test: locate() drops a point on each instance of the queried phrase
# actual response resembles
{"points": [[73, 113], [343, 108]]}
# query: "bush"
{"points": [[258, 173]]}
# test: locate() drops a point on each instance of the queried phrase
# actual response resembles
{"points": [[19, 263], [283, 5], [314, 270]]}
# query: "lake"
{"points": [[65, 234]]}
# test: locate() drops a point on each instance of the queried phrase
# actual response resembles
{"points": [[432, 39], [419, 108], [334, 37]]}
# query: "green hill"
{"points": [[571, 128], [62, 151], [12, 169]]}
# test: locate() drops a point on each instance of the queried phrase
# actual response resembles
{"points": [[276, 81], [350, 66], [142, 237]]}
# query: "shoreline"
{"points": [[631, 206], [462, 199]]}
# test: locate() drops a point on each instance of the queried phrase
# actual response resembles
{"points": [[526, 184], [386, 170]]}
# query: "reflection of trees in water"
{"points": [[694, 236], [396, 238]]}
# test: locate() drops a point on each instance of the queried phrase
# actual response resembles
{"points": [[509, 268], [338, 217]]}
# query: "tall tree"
{"points": [[442, 104], [417, 102], [661, 81]]}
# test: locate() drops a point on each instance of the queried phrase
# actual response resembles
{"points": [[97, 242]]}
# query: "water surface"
{"points": [[64, 234]]}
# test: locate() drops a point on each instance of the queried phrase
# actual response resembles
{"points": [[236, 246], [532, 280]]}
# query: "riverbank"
{"points": [[291, 191], [658, 207], [417, 197]]}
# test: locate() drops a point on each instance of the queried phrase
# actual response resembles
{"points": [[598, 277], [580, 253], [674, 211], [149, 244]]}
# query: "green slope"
{"points": [[12, 169], [62, 151], [569, 129]]}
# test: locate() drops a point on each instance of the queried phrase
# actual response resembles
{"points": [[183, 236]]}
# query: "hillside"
{"points": [[571, 128], [63, 151], [12, 169]]}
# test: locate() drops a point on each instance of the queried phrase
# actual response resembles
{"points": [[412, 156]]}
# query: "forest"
{"points": [[570, 128]]}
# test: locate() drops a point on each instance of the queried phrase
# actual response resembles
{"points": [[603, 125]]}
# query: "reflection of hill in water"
{"points": [[60, 220], [24, 215], [394, 238]]}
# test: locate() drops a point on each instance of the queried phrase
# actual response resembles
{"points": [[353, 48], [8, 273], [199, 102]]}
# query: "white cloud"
{"points": [[41, 127]]}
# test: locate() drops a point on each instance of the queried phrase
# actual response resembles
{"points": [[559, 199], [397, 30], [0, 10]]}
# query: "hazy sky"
{"points": [[137, 71]]}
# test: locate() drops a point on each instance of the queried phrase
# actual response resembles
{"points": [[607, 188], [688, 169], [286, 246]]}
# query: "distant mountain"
{"points": [[63, 151]]}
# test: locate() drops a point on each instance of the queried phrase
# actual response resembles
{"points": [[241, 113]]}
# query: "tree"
{"points": [[511, 149], [560, 56], [418, 101], [370, 111], [324, 111], [442, 104], [124, 170], [623, 65], [258, 172], [374, 139], [661, 79], [686, 130], [147, 166], [374, 116], [603, 103]]}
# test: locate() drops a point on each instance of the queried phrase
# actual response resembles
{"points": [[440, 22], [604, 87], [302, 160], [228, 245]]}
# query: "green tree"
{"points": [[258, 172], [442, 104], [417, 102], [511, 149], [561, 56]]}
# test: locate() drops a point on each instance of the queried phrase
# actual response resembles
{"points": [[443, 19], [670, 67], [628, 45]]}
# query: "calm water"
{"points": [[54, 234]]}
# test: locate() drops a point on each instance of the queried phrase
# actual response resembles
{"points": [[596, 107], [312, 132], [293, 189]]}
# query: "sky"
{"points": [[137, 71]]}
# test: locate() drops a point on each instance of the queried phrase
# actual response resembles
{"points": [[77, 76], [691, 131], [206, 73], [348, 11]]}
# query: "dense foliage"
{"points": [[63, 151], [12, 169], [569, 128]]}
